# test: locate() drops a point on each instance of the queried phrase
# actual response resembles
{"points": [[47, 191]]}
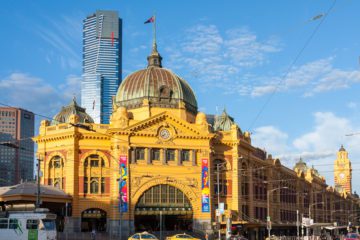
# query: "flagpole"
{"points": [[154, 29]]}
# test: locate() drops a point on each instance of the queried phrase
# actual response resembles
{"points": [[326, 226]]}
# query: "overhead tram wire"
{"points": [[322, 19]]}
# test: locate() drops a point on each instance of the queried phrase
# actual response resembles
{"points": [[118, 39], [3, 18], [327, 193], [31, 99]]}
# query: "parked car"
{"points": [[352, 236], [182, 236], [143, 235]]}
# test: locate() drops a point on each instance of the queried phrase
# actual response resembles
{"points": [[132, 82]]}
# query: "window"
{"points": [[13, 223], [170, 155], [102, 185], [94, 185], [50, 183], [4, 223], [57, 182], [32, 224], [155, 154], [85, 185], [94, 163], [185, 155], [139, 153]]}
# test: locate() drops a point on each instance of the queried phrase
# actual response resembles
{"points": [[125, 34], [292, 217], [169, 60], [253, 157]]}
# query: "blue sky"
{"points": [[241, 55]]}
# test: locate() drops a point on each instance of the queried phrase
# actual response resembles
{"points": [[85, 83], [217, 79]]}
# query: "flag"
{"points": [[150, 20]]}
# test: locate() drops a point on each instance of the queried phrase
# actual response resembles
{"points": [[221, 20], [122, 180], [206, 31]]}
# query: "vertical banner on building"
{"points": [[205, 190], [123, 203]]}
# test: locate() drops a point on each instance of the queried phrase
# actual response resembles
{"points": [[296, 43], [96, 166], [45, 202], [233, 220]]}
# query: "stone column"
{"points": [[148, 156], [178, 157], [132, 155], [193, 157]]}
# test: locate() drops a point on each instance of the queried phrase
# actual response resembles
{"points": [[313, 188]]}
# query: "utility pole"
{"points": [[218, 197], [297, 224], [120, 203], [38, 192]]}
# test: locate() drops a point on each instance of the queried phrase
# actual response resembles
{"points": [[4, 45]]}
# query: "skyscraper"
{"points": [[17, 148], [102, 63]]}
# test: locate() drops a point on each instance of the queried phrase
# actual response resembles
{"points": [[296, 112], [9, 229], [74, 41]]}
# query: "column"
{"points": [[148, 156], [193, 157], [178, 157], [133, 150], [163, 155]]}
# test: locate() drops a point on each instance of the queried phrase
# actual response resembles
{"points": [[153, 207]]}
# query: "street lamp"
{"points": [[218, 165], [268, 208], [310, 205]]}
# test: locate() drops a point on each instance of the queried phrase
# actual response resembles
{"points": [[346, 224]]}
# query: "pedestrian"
{"points": [[206, 236], [93, 234]]}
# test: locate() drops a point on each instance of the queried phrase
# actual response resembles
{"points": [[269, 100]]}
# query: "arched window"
{"points": [[95, 179], [56, 175]]}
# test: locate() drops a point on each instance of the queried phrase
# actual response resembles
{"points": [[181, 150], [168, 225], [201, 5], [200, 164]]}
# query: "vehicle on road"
{"points": [[23, 225], [352, 236], [182, 236], [143, 235]]}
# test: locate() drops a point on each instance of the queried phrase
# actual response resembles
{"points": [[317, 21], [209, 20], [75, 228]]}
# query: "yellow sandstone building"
{"points": [[159, 157]]}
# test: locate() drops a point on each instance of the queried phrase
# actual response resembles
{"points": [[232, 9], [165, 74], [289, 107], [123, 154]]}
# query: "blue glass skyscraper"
{"points": [[102, 63]]}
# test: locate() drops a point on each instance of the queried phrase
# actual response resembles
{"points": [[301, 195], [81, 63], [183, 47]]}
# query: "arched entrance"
{"points": [[163, 202], [93, 218]]}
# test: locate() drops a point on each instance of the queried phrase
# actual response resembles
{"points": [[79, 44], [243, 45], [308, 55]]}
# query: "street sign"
{"points": [[268, 225], [222, 207], [217, 212]]}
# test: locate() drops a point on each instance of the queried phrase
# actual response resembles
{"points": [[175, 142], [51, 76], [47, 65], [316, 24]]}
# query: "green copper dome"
{"points": [[72, 109]]}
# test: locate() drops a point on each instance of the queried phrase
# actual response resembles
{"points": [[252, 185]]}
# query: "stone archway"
{"points": [[165, 207], [93, 218]]}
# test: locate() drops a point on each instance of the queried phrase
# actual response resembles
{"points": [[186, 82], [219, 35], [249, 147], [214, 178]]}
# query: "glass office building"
{"points": [[17, 148], [102, 63]]}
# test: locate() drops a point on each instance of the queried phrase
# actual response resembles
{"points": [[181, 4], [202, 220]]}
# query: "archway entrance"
{"points": [[93, 218], [163, 206]]}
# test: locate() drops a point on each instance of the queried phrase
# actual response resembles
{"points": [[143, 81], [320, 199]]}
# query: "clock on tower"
{"points": [[342, 170]]}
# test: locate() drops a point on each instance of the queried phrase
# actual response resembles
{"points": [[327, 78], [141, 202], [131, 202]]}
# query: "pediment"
{"points": [[175, 126]]}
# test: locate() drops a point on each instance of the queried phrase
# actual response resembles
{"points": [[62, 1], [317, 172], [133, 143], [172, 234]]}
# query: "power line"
{"points": [[322, 19]]}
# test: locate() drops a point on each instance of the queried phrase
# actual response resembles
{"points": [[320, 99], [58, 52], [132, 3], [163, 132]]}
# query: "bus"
{"points": [[28, 225]]}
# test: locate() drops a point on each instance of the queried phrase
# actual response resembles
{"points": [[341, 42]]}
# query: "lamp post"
{"points": [[308, 229], [218, 194], [268, 208]]}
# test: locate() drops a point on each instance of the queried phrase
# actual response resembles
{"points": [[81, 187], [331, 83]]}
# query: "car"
{"points": [[181, 236], [143, 235], [352, 236]]}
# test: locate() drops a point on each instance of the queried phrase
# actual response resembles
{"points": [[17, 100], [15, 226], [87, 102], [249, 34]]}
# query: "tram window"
{"points": [[4, 223], [13, 224], [32, 224]]}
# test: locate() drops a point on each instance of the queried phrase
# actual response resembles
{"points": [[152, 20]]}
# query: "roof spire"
{"points": [[154, 59]]}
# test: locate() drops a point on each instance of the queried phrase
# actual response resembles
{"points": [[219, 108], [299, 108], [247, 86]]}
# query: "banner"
{"points": [[205, 190], [123, 203]]}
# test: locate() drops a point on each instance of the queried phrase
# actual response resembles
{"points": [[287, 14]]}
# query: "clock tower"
{"points": [[342, 170]]}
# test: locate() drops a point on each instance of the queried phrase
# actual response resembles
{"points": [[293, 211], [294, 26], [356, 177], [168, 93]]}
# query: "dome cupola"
{"points": [[72, 109], [155, 86]]}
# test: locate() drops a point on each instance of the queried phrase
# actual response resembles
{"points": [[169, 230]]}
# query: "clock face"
{"points": [[342, 176], [164, 134]]}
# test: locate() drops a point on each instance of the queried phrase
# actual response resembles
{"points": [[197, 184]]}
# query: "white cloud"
{"points": [[311, 78], [271, 138], [29, 92], [216, 58], [317, 147], [64, 36]]}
